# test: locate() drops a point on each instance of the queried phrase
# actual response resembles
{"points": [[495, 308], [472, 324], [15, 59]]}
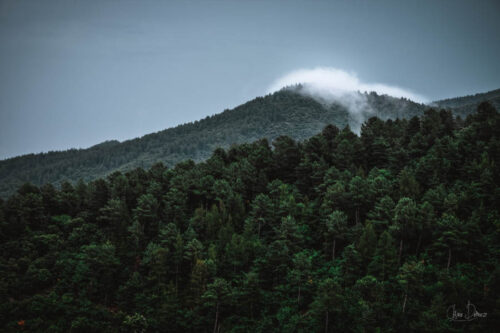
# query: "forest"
{"points": [[283, 113], [389, 231], [464, 105]]}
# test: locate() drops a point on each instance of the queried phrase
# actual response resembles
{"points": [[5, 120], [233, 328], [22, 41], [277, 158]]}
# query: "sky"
{"points": [[75, 73]]}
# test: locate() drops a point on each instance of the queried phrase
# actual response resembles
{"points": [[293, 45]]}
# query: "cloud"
{"points": [[329, 82], [331, 85]]}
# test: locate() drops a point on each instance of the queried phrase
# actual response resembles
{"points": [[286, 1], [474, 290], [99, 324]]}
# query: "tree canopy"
{"points": [[384, 231]]}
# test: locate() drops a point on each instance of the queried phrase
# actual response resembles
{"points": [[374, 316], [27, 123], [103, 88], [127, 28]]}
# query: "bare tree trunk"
{"points": [[333, 249], [404, 302], [449, 260], [176, 278], [259, 230], [383, 268], [400, 251], [357, 215], [298, 297], [326, 322], [419, 243], [216, 317]]}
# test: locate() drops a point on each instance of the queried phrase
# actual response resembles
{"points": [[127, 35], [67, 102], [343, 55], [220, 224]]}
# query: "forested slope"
{"points": [[385, 231], [282, 113], [463, 106]]}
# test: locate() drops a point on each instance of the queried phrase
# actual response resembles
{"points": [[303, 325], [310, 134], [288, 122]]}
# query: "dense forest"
{"points": [[283, 113], [388, 231]]}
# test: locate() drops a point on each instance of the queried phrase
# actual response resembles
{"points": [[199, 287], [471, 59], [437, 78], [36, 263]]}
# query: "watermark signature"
{"points": [[469, 314]]}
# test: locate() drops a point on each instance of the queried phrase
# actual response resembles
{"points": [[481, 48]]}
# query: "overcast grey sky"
{"points": [[75, 73]]}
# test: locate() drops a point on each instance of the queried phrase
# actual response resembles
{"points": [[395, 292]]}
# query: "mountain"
{"points": [[337, 233], [286, 112], [465, 105]]}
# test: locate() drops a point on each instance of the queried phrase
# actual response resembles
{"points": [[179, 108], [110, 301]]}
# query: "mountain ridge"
{"points": [[467, 104], [282, 113]]}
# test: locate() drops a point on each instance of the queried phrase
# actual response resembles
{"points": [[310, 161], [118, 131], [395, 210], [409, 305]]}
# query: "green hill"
{"points": [[283, 113], [467, 104], [387, 231]]}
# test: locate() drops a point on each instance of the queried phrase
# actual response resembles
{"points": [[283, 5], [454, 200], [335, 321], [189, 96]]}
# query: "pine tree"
{"points": [[336, 228], [384, 260]]}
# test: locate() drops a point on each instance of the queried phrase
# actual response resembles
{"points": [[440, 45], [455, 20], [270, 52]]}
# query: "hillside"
{"points": [[465, 105], [381, 232], [282, 113]]}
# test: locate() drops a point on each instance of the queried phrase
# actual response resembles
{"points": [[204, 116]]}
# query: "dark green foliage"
{"points": [[283, 113], [378, 233]]}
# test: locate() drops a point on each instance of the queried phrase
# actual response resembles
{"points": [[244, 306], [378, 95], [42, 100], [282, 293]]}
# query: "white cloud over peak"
{"points": [[329, 82]]}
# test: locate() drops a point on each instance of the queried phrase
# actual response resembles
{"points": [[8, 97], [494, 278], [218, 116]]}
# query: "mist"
{"points": [[331, 85]]}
